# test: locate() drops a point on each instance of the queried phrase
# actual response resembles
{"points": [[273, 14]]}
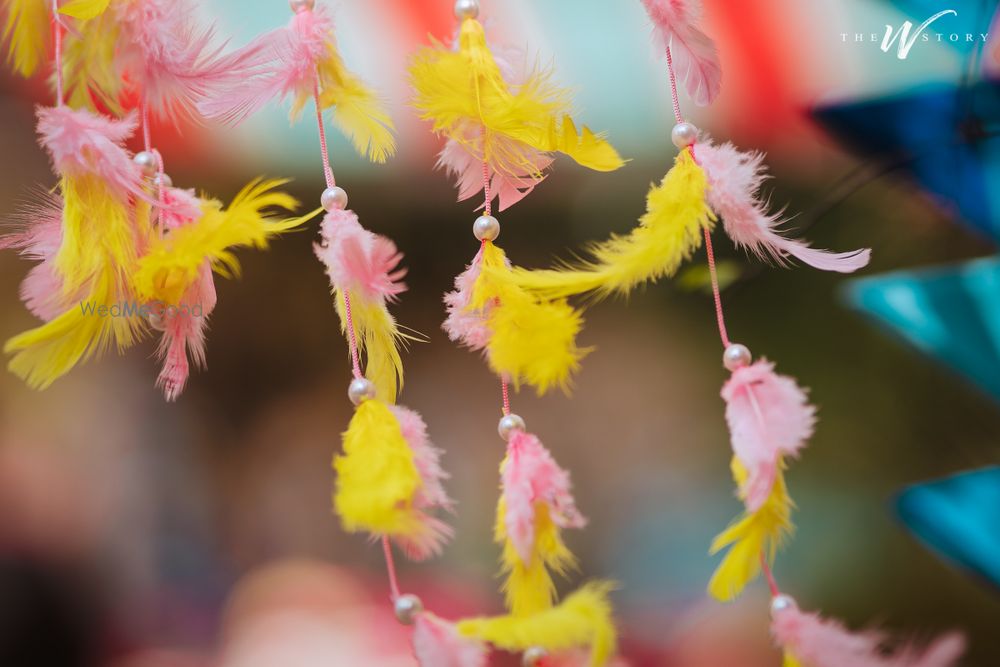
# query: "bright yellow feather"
{"points": [[379, 339], [90, 75], [583, 619], [376, 475], [750, 538], [26, 31], [84, 9], [532, 341], [669, 232], [790, 661], [464, 95]]}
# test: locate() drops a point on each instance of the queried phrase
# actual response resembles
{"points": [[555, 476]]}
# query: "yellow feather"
{"points": [[26, 32], [583, 619], [172, 262], [750, 538], [464, 95], [532, 341], [379, 339], [790, 661], [528, 588], [84, 9], [376, 475], [669, 232], [90, 75]]}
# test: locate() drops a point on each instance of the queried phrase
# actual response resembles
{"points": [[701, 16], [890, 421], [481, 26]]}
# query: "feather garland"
{"points": [[668, 233], [535, 505], [511, 128], [584, 618], [297, 61], [531, 341], [769, 420], [735, 180], [379, 485], [437, 643], [694, 54], [812, 641], [753, 536], [27, 34], [364, 265]]}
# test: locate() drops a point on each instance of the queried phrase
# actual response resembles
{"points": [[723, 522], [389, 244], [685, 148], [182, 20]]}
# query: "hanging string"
{"points": [[57, 39], [327, 169], [488, 210], [390, 566], [352, 336]]}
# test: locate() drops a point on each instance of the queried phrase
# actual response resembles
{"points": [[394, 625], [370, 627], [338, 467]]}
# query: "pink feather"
{"points": [[769, 417], [735, 180], [180, 207], [531, 476], [357, 260], [436, 643], [80, 143], [37, 237], [184, 334], [431, 494], [172, 61], [462, 325], [693, 52], [285, 62], [818, 642]]}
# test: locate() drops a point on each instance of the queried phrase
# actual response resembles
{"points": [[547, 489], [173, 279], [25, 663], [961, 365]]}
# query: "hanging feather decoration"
{"points": [[37, 236], [511, 126], [582, 619], [694, 54], [809, 640], [384, 486], [26, 33], [535, 505], [364, 265], [437, 643], [292, 62]]}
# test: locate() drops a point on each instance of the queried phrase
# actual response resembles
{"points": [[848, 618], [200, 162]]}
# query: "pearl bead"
{"points": [[162, 180], [684, 135], [736, 356], [467, 9], [533, 656], [333, 198], [780, 603], [360, 390], [301, 5], [508, 424], [157, 320], [486, 228], [407, 608], [146, 161]]}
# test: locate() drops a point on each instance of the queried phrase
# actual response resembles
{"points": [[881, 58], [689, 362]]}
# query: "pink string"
{"points": [[352, 336], [57, 38], [716, 293], [327, 169], [390, 566], [673, 87], [506, 396], [486, 189], [769, 575]]}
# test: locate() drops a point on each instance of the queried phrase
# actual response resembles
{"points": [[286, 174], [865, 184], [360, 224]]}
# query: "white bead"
{"points": [[407, 608], [147, 163], [736, 356], [508, 424], [333, 198], [467, 9], [163, 180], [533, 656], [486, 228], [360, 390], [782, 602], [157, 320], [684, 135], [301, 5]]}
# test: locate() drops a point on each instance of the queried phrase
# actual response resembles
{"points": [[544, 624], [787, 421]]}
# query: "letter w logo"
{"points": [[906, 40]]}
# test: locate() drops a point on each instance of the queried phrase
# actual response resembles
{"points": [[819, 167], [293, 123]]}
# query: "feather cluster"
{"points": [[299, 61], [809, 640], [364, 267], [511, 126], [735, 180], [583, 619], [26, 33], [535, 505], [769, 420], [677, 27], [388, 478], [526, 339], [437, 643]]}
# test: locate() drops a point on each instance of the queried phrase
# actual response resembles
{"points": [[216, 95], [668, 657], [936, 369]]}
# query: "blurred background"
{"points": [[135, 533]]}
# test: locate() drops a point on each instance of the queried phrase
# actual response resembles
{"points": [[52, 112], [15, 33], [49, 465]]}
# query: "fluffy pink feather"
{"points": [[285, 64], [179, 207], [735, 179], [462, 325], [436, 643], [818, 642], [184, 334], [37, 236], [769, 417], [80, 142], [172, 61], [693, 52], [531, 476], [431, 494], [357, 260]]}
